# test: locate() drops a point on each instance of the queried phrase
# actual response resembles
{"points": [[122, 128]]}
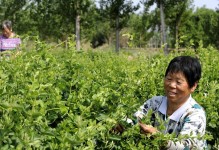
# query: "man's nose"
{"points": [[172, 84]]}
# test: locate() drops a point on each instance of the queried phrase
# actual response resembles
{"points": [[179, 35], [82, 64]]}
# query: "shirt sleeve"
{"points": [[151, 104], [194, 125]]}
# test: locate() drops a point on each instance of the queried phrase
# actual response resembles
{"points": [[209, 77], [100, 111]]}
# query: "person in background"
{"points": [[8, 39], [180, 112]]}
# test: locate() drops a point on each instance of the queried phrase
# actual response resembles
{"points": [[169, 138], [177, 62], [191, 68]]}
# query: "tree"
{"points": [[74, 9], [160, 5], [10, 9], [142, 28], [118, 12], [171, 14], [202, 25], [60, 18], [95, 28], [175, 11], [45, 17], [163, 26]]}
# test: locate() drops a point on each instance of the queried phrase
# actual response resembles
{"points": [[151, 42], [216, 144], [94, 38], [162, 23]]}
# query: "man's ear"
{"points": [[194, 87]]}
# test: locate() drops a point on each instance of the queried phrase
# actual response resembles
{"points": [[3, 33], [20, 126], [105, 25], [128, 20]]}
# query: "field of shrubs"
{"points": [[71, 100]]}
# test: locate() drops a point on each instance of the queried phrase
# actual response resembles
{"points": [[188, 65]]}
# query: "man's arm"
{"points": [[193, 126]]}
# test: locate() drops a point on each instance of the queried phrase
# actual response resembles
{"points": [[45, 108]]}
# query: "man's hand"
{"points": [[118, 129], [147, 129]]}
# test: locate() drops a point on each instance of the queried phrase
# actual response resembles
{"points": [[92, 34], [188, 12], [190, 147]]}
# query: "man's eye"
{"points": [[169, 79], [178, 82]]}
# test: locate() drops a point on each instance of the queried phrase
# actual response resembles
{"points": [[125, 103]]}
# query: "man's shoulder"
{"points": [[195, 106], [16, 36], [156, 101], [195, 110]]}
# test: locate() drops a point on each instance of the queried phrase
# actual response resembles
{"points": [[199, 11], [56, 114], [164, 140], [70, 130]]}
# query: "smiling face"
{"points": [[177, 88]]}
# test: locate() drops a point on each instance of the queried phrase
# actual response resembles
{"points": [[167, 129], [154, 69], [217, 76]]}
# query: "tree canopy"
{"points": [[176, 25]]}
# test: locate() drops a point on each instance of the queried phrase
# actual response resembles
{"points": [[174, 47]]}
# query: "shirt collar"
{"points": [[163, 106], [178, 113]]}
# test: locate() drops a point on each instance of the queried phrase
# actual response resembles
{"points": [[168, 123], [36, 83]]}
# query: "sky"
{"points": [[212, 4]]}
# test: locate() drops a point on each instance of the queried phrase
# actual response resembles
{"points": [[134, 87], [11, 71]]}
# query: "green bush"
{"points": [[71, 100]]}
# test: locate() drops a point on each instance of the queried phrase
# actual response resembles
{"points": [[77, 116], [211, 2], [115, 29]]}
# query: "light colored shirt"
{"points": [[9, 43], [189, 119]]}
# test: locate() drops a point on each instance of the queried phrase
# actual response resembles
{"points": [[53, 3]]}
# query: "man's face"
{"points": [[177, 88], [6, 32]]}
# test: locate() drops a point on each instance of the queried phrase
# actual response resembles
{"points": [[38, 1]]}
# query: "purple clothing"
{"points": [[9, 43]]}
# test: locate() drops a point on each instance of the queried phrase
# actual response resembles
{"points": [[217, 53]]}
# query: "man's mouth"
{"points": [[171, 93]]}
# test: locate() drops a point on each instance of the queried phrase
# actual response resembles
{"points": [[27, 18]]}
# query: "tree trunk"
{"points": [[77, 32], [177, 25], [177, 35], [163, 29], [179, 14], [117, 34]]}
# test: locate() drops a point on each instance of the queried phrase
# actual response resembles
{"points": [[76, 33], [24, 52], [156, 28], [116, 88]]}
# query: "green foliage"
{"points": [[71, 100], [54, 20], [118, 13], [141, 29], [202, 25]]}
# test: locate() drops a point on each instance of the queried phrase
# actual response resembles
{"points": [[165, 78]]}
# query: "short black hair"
{"points": [[188, 65], [6, 24]]}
